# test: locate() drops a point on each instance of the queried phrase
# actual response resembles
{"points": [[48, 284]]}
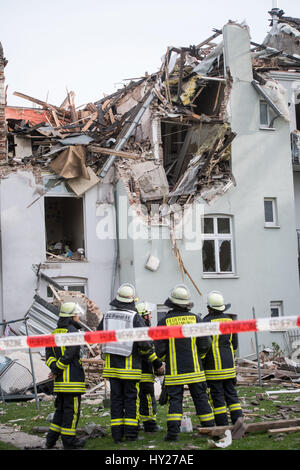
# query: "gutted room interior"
{"points": [[64, 227]]}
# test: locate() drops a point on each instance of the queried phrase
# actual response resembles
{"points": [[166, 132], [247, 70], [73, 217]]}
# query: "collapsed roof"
{"points": [[167, 134]]}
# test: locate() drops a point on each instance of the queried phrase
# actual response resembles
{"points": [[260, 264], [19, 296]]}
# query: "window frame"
{"points": [[270, 115], [67, 285], [274, 223], [216, 237], [277, 304]]}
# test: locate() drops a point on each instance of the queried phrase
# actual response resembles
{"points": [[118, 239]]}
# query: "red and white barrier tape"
{"points": [[150, 333]]}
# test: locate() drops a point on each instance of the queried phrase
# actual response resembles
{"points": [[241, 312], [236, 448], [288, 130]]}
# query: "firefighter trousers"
{"points": [[223, 395], [65, 419], [124, 408], [199, 395], [147, 406]]}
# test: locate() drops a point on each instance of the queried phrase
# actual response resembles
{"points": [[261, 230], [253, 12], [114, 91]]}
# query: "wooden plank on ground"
{"points": [[252, 427], [286, 430]]}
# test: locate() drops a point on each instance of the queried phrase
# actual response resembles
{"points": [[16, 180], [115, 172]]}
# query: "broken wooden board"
{"points": [[81, 185], [285, 430], [252, 427]]}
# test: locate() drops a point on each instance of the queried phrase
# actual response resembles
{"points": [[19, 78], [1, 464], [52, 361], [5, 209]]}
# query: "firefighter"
{"points": [[219, 364], [183, 364], [147, 396], [69, 381], [123, 364]]}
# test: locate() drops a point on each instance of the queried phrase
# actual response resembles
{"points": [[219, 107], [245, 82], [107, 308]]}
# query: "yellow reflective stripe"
{"points": [[147, 377], [220, 410], [69, 387], [150, 406], [153, 357], [61, 365], [128, 362], [137, 408], [173, 362], [235, 406], [130, 422], [117, 422], [54, 427], [68, 431], [174, 417], [182, 379], [215, 345], [220, 374], [76, 407], [50, 360], [195, 355], [206, 417]]}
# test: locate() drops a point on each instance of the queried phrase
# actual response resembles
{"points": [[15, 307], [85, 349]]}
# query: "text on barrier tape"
{"points": [[150, 333]]}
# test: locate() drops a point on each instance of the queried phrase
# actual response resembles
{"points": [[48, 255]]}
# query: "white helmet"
{"points": [[141, 308], [180, 295], [70, 309], [215, 300], [126, 293]]}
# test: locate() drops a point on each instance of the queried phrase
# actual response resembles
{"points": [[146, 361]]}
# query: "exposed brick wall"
{"points": [[3, 131]]}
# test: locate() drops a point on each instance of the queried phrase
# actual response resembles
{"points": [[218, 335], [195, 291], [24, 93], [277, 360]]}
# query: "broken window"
{"points": [[74, 287], [64, 228], [217, 249]]}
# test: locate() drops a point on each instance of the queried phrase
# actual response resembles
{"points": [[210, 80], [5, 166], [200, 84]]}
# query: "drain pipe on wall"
{"points": [[1, 265]]}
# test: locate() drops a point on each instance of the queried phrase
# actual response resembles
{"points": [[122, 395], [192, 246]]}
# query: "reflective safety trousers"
{"points": [[65, 363], [219, 360], [182, 355]]}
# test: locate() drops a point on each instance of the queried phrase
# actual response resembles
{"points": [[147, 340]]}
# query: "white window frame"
{"points": [[217, 237], [279, 305], [274, 223], [270, 116]]}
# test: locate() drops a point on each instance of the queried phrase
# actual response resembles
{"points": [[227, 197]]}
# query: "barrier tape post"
{"points": [[150, 333]]}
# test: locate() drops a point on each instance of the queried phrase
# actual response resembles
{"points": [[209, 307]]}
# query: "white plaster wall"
{"points": [[23, 244]]}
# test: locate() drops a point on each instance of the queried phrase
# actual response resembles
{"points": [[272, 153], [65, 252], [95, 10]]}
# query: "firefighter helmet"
{"points": [[215, 300], [126, 293], [180, 295], [70, 309]]}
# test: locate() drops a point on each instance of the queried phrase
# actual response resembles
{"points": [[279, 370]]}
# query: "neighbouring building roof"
{"points": [[29, 115]]}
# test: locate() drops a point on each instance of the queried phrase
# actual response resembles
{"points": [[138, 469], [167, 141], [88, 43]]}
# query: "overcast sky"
{"points": [[91, 46]]}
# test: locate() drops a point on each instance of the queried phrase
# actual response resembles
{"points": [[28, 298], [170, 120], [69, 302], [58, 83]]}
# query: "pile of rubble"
{"points": [[272, 369]]}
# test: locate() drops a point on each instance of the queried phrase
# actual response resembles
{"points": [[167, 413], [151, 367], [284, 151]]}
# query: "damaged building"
{"points": [[120, 189]]}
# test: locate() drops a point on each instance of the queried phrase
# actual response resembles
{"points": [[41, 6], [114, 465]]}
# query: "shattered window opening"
{"points": [[65, 240], [217, 250], [68, 287]]}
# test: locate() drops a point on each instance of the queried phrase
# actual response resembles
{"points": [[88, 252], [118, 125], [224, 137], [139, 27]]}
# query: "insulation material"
{"points": [[189, 89], [288, 29], [277, 95]]}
